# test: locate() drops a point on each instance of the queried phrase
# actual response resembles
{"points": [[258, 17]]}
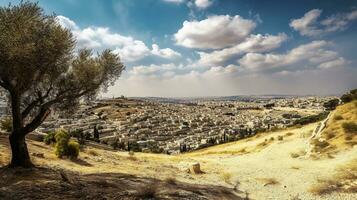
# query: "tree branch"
{"points": [[33, 104], [45, 111]]}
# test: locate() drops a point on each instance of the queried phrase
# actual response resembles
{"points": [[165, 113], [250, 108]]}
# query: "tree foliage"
{"points": [[350, 96], [40, 70]]}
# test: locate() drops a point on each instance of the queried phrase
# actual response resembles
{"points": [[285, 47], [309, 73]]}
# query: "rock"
{"points": [[196, 168], [39, 155]]}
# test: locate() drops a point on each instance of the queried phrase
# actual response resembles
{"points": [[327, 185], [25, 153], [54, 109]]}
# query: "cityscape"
{"points": [[178, 125]]}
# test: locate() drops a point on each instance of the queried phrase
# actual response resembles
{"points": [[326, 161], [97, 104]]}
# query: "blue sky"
{"points": [[219, 47]]}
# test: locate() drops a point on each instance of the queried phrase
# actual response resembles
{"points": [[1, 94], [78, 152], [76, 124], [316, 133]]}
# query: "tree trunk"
{"points": [[20, 154]]}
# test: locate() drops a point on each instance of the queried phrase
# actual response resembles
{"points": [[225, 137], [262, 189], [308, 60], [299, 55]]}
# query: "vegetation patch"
{"points": [[350, 127], [268, 181], [343, 181], [311, 119], [226, 177]]}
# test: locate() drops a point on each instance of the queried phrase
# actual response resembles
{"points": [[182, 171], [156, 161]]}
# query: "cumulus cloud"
{"points": [[203, 4], [100, 38], [305, 56], [215, 32], [164, 53], [254, 43], [309, 25], [153, 70], [339, 62]]}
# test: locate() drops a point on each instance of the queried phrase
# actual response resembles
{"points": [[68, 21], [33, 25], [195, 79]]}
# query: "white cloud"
{"points": [[309, 25], [174, 1], [164, 53], [203, 4], [254, 43], [152, 70], [339, 62], [100, 38], [215, 32], [302, 57], [67, 23], [200, 4]]}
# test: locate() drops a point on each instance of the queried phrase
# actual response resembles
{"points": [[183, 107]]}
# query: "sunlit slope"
{"points": [[340, 133]]}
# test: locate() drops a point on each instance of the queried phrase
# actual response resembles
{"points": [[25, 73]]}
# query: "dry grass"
{"points": [[92, 152], [268, 181], [295, 167], [340, 132], [294, 155], [226, 177], [289, 134], [343, 181]]}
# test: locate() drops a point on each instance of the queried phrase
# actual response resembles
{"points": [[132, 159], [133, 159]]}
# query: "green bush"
{"points": [[62, 138], [73, 149], [338, 117], [352, 95], [50, 138], [6, 124], [350, 127], [64, 146], [311, 119]]}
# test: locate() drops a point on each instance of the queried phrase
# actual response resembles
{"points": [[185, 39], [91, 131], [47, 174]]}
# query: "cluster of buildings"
{"points": [[169, 127]]}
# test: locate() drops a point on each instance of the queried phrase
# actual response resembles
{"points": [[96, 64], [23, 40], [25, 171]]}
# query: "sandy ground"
{"points": [[272, 172], [260, 167]]}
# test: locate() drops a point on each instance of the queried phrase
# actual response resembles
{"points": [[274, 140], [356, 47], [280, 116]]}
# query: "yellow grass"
{"points": [[343, 181], [337, 139]]}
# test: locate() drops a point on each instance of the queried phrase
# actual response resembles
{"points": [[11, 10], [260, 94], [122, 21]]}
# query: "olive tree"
{"points": [[41, 72]]}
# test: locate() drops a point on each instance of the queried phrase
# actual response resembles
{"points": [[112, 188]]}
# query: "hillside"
{"points": [[271, 165]]}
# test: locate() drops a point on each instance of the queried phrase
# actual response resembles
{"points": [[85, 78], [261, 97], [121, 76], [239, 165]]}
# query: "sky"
{"points": [[192, 48]]}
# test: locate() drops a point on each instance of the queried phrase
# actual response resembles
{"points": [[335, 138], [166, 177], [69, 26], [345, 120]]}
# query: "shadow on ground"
{"points": [[45, 183]]}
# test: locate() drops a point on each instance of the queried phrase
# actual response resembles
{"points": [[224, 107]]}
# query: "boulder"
{"points": [[195, 168]]}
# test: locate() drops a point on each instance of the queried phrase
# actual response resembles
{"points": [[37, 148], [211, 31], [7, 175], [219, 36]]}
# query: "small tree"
{"points": [[331, 104], [350, 96], [40, 72]]}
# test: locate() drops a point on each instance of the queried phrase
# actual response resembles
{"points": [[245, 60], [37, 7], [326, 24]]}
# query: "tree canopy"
{"points": [[40, 69]]}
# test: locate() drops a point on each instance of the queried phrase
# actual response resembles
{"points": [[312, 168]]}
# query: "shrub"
{"points": [[280, 137], [148, 191], [350, 127], [352, 95], [50, 138], [294, 155], [170, 181], [73, 149], [311, 119], [320, 144], [62, 138], [338, 117], [6, 124], [227, 177]]}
